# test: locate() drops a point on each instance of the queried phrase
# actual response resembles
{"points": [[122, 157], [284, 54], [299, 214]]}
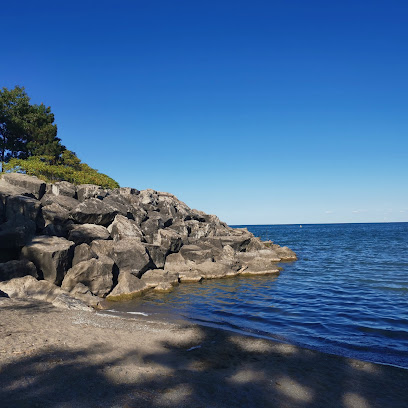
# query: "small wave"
{"points": [[138, 313]]}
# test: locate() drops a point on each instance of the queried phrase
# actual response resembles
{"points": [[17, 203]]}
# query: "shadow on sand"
{"points": [[221, 370]]}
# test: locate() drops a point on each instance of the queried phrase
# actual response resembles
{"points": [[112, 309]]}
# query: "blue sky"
{"points": [[262, 112]]}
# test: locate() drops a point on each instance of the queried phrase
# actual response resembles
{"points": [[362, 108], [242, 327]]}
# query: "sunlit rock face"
{"points": [[118, 243]]}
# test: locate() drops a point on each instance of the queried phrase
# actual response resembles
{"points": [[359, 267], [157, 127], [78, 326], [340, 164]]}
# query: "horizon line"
{"points": [[323, 223]]}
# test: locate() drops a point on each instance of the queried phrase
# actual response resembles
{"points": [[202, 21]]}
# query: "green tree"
{"points": [[26, 130], [42, 133], [29, 143], [14, 108]]}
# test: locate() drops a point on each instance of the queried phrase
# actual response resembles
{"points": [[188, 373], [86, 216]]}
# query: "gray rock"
{"points": [[16, 233], [152, 225], [56, 230], [55, 214], [82, 252], [120, 204], [7, 190], [255, 244], [125, 191], [148, 197], [51, 255], [284, 253], [30, 184], [82, 292], [260, 271], [177, 264], [122, 228], [130, 254], [65, 301], [20, 205], [196, 254], [155, 277], [128, 287], [96, 274], [86, 233], [103, 248], [87, 191], [157, 254], [190, 276], [17, 269], [29, 287], [68, 203], [238, 243], [93, 211], [181, 228], [63, 188], [215, 270], [169, 239]]}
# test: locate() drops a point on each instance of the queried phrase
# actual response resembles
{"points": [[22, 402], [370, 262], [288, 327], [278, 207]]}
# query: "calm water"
{"points": [[347, 294]]}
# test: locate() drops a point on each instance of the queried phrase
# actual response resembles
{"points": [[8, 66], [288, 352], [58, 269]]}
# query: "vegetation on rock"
{"points": [[29, 144]]}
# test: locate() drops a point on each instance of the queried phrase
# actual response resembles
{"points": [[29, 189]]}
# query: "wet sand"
{"points": [[60, 358]]}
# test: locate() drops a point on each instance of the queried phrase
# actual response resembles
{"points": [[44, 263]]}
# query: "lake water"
{"points": [[347, 294]]}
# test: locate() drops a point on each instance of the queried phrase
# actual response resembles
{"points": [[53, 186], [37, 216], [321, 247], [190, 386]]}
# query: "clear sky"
{"points": [[262, 112]]}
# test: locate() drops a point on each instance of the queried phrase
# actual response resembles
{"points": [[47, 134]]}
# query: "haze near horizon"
{"points": [[260, 112]]}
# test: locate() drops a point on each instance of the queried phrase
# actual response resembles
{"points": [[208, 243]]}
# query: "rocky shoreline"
{"points": [[74, 246]]}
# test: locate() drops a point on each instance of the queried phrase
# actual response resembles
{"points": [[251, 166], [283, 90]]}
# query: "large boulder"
{"points": [[152, 225], [169, 239], [120, 203], [93, 211], [284, 253], [125, 191], [87, 191], [17, 269], [16, 233], [63, 188], [103, 248], [82, 292], [56, 214], [122, 227], [51, 255], [66, 202], [30, 184], [186, 270], [238, 242], [83, 252], [157, 254], [7, 190], [181, 228], [130, 254], [196, 253], [86, 233], [128, 287], [159, 277], [28, 287], [96, 274], [262, 262], [215, 270], [20, 205]]}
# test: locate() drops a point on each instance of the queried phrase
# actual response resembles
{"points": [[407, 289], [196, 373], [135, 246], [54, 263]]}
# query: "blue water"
{"points": [[347, 294]]}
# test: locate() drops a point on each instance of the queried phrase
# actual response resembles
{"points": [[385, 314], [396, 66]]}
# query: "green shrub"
{"points": [[67, 168]]}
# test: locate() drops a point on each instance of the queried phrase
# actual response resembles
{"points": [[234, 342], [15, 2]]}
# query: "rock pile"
{"points": [[87, 243]]}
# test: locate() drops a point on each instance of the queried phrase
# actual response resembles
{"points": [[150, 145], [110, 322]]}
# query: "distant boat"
{"points": [[300, 226]]}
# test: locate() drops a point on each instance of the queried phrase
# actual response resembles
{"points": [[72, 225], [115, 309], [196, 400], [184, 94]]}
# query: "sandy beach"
{"points": [[51, 357]]}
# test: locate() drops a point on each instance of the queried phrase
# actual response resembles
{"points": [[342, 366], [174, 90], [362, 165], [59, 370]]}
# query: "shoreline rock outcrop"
{"points": [[91, 243]]}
